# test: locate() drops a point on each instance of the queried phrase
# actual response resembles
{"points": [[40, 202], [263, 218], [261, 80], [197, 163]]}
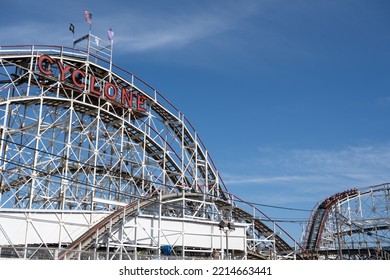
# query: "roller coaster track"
{"points": [[316, 224], [320, 215], [86, 240], [68, 90], [160, 142], [89, 238]]}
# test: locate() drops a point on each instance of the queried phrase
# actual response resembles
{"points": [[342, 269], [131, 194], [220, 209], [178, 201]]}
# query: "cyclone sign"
{"points": [[80, 79]]}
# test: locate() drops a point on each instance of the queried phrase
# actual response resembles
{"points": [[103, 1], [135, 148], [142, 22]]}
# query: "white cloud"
{"points": [[177, 29], [270, 179], [306, 173], [137, 28]]}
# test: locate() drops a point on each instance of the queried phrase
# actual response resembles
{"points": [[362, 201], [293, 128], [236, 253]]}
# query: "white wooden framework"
{"points": [[354, 224], [81, 140]]}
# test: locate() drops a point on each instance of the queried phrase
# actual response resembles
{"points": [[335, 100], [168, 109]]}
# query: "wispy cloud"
{"points": [[271, 179], [178, 28], [156, 26], [312, 172]]}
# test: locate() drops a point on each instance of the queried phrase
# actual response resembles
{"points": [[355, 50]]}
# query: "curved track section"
{"points": [[73, 132], [91, 241], [83, 143], [354, 224]]}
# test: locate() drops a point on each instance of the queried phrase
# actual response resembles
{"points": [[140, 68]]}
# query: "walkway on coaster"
{"points": [[86, 241]]}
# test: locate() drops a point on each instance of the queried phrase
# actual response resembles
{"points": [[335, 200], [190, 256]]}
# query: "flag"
{"points": [[88, 16], [110, 35], [71, 28]]}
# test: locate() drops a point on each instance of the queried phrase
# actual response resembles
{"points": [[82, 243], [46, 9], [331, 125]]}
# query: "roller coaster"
{"points": [[354, 224], [97, 164]]}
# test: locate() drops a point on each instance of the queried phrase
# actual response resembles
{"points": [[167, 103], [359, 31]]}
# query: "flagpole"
{"points": [[71, 29], [110, 35], [112, 47]]}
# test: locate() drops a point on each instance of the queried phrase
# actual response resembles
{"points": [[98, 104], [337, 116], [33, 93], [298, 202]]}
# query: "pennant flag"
{"points": [[71, 27], [88, 16], [110, 35]]}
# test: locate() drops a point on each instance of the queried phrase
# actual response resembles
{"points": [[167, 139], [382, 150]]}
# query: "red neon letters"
{"points": [[128, 98]]}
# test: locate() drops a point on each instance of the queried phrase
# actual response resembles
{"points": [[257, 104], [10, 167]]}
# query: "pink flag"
{"points": [[110, 34], [88, 16]]}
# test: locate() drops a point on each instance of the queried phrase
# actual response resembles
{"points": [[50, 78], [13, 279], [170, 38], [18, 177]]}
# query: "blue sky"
{"points": [[291, 97]]}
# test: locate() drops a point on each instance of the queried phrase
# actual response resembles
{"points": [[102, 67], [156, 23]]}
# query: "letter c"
{"points": [[44, 70], [74, 78]]}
